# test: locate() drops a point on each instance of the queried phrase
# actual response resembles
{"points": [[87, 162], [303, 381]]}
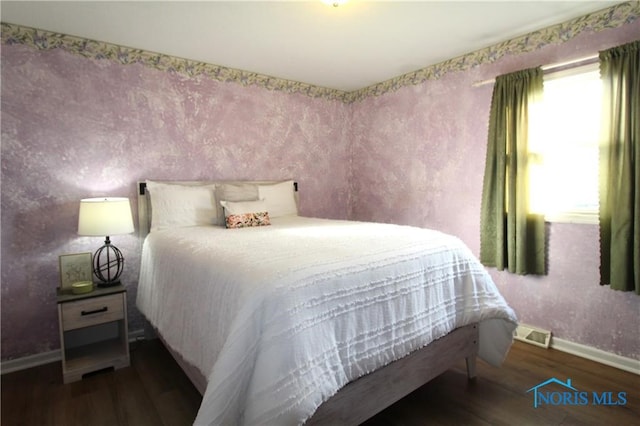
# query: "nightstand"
{"points": [[93, 331]]}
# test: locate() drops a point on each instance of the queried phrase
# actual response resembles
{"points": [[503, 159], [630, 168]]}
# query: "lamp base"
{"points": [[107, 264], [108, 284]]}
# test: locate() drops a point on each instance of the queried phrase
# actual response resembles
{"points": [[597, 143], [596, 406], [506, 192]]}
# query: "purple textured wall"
{"points": [[74, 127], [418, 158]]}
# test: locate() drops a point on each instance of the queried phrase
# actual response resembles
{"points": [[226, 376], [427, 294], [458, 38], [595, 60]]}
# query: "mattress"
{"points": [[280, 317]]}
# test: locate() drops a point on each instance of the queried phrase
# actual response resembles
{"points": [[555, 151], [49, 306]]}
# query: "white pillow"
{"points": [[174, 206], [280, 198], [242, 207]]}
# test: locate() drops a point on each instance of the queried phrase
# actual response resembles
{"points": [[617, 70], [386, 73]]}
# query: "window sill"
{"points": [[583, 218]]}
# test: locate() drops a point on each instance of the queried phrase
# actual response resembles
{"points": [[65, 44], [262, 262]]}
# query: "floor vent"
{"points": [[533, 335]]}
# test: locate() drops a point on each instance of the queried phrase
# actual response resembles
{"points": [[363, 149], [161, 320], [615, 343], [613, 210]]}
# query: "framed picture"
{"points": [[73, 268]]}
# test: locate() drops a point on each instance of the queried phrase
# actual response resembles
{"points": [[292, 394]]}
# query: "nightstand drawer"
{"points": [[97, 310]]}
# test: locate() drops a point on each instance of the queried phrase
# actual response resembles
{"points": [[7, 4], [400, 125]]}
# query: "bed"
{"points": [[288, 320]]}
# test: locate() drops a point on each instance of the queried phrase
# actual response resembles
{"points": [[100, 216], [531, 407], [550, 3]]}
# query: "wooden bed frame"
{"points": [[382, 387]]}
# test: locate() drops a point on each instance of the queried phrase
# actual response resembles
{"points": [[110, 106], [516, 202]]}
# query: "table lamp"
{"points": [[105, 217]]}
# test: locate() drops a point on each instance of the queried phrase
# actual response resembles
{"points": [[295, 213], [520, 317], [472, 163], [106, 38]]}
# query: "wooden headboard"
{"points": [[144, 204]]}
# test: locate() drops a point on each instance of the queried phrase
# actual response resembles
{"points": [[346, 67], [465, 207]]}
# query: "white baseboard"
{"points": [[30, 361], [623, 363]]}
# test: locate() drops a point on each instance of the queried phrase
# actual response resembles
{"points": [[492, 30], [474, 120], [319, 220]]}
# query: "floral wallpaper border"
{"points": [[612, 17], [46, 40]]}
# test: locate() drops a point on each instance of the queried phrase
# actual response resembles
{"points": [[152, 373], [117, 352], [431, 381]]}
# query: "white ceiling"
{"points": [[348, 47]]}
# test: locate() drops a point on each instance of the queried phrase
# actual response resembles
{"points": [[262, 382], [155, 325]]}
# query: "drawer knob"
{"points": [[95, 311]]}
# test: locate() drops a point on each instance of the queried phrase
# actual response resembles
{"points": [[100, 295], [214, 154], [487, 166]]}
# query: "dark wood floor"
{"points": [[154, 391]]}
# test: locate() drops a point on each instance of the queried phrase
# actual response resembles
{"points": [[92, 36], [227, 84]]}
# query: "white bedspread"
{"points": [[280, 317]]}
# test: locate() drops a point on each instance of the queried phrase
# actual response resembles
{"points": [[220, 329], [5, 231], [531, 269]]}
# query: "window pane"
{"points": [[564, 141]]}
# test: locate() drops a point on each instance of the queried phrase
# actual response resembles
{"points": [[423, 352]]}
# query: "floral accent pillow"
{"points": [[244, 220], [244, 214]]}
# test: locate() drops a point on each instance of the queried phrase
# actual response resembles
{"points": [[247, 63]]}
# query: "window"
{"points": [[564, 135]]}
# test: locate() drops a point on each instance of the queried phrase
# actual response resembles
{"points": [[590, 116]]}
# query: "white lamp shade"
{"points": [[105, 216]]}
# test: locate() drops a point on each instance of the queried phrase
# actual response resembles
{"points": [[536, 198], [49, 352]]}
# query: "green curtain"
{"points": [[511, 237], [620, 168]]}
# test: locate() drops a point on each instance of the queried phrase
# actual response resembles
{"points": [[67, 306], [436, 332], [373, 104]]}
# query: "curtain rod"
{"points": [[552, 67]]}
